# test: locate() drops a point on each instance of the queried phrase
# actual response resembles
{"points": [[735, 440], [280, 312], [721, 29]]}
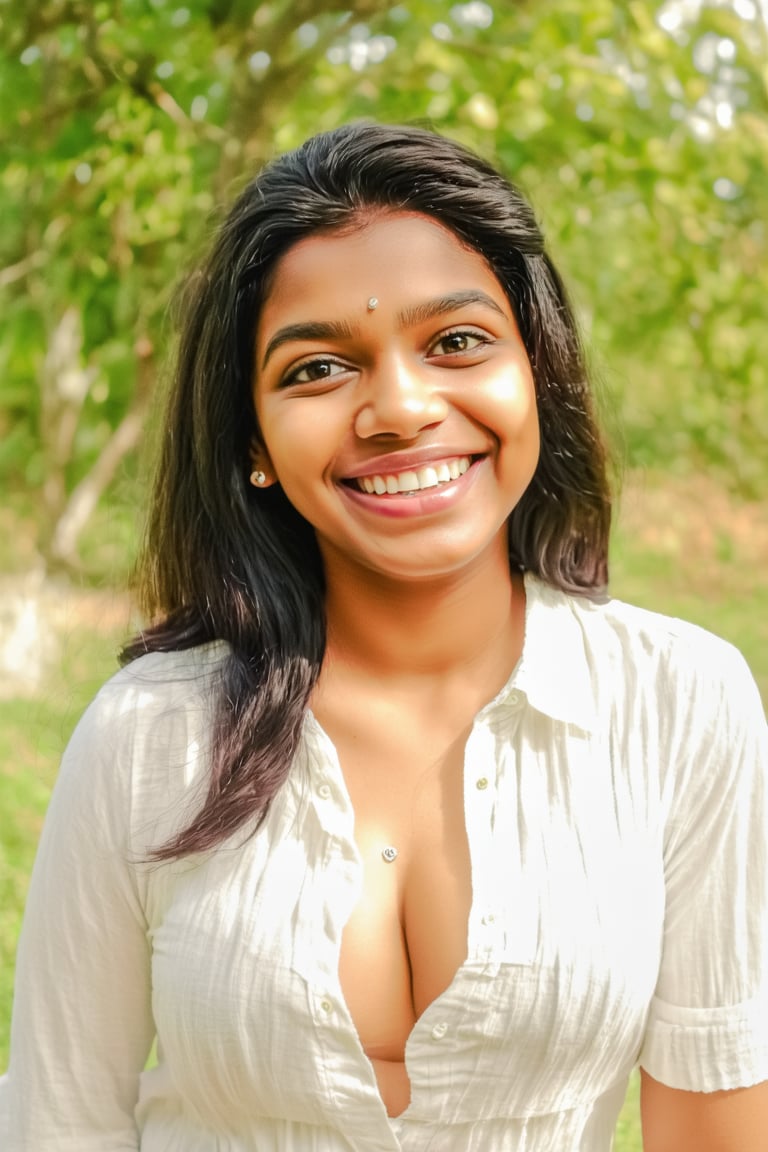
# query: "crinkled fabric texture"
{"points": [[616, 811]]}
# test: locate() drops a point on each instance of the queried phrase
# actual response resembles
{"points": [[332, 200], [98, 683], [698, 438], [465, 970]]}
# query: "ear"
{"points": [[262, 474]]}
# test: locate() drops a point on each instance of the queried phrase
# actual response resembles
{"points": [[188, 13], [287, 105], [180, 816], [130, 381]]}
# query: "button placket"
{"points": [[480, 796], [516, 904], [335, 866]]}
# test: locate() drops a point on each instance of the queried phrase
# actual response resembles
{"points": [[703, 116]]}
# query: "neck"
{"points": [[426, 631]]}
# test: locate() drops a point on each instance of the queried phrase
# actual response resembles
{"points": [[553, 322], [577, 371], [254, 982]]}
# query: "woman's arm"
{"points": [[82, 1022], [677, 1121], [705, 1058]]}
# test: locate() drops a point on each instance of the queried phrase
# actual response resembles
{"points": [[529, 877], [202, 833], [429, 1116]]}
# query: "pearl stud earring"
{"points": [[258, 478]]}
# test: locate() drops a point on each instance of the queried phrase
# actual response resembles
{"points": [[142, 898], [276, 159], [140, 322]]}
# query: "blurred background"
{"points": [[640, 131]]}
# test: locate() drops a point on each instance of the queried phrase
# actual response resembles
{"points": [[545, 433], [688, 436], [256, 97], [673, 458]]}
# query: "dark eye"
{"points": [[313, 371], [460, 341]]}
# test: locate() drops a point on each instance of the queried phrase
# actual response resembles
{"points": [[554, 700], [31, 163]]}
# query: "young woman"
{"points": [[396, 832]]}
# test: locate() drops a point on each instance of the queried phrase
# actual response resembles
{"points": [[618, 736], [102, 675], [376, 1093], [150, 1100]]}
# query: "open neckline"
{"points": [[420, 1022]]}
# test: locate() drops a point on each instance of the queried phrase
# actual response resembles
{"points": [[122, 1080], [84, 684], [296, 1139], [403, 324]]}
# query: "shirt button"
{"points": [[489, 918], [482, 784], [439, 1030], [324, 791], [326, 1005], [514, 698]]}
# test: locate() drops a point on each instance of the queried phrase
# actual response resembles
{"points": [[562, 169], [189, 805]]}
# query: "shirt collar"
{"points": [[554, 672]]}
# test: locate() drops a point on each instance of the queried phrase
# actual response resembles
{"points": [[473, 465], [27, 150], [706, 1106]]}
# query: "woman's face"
{"points": [[395, 398]]}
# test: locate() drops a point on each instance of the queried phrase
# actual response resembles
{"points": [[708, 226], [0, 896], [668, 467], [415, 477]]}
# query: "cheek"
{"points": [[511, 396], [518, 427], [301, 440]]}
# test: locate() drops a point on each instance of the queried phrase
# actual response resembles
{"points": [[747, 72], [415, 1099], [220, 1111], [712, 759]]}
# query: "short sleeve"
{"points": [[82, 1023], [708, 1022]]}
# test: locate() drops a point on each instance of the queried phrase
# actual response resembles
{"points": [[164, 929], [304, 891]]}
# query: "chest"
{"points": [[407, 934], [553, 920]]}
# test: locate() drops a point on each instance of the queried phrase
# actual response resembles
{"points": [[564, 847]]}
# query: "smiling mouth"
{"points": [[414, 480]]}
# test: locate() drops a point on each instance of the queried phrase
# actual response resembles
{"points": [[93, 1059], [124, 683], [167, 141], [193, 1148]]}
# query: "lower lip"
{"points": [[426, 502]]}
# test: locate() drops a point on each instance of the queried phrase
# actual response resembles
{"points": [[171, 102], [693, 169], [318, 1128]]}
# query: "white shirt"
{"points": [[615, 798]]}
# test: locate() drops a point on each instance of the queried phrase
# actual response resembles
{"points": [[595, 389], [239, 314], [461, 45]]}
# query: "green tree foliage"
{"points": [[639, 129]]}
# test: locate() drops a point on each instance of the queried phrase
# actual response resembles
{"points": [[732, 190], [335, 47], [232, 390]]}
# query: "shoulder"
{"points": [[643, 639], [635, 661], [156, 708], [664, 654], [160, 684], [144, 741]]}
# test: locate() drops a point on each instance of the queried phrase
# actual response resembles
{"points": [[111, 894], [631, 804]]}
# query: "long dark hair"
{"points": [[223, 561]]}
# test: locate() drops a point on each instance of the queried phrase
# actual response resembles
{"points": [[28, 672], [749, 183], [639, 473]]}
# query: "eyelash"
{"points": [[289, 379], [290, 376], [482, 339]]}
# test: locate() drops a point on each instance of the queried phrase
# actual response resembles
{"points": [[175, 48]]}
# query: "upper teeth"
{"points": [[427, 477]]}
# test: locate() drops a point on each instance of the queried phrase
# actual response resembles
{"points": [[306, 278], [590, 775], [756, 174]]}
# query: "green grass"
{"points": [[628, 1135], [703, 563], [686, 550]]}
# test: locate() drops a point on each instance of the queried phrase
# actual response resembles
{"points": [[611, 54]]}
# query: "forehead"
{"points": [[398, 257]]}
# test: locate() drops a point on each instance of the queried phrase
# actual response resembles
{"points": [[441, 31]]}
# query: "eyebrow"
{"points": [[408, 318], [312, 330], [451, 303]]}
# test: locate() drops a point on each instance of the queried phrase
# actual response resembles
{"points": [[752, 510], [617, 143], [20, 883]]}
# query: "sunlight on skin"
{"points": [[676, 1121]]}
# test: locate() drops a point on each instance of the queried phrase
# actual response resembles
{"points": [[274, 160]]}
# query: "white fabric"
{"points": [[620, 913]]}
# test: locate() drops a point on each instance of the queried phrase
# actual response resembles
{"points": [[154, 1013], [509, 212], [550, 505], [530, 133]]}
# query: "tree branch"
{"points": [[85, 496], [13, 272]]}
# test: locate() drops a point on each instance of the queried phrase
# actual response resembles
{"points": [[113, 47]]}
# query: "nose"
{"points": [[401, 400]]}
